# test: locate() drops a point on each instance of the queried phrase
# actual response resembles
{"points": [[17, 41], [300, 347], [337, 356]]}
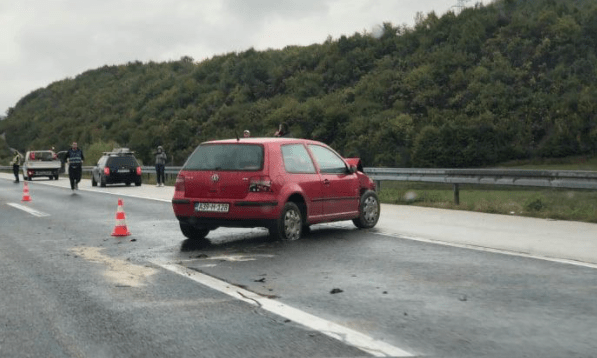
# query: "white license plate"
{"points": [[212, 207]]}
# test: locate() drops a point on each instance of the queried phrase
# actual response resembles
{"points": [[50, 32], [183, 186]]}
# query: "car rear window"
{"points": [[122, 162], [235, 157], [43, 156]]}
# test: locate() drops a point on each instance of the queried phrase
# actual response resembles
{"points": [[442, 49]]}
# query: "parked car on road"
{"points": [[118, 166], [41, 163], [282, 184]]}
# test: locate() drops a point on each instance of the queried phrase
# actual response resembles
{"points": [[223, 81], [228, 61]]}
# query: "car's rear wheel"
{"points": [[50, 177], [138, 182], [103, 182], [93, 182], [289, 225], [56, 177], [194, 233], [128, 183], [369, 211]]}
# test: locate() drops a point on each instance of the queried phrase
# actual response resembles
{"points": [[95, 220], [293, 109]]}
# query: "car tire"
{"points": [[138, 183], [50, 177], [289, 225], [128, 183], [93, 182], [56, 176], [369, 211], [103, 182], [193, 233]]}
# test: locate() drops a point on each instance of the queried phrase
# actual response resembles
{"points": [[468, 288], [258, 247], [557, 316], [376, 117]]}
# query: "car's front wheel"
{"points": [[289, 225], [369, 211]]}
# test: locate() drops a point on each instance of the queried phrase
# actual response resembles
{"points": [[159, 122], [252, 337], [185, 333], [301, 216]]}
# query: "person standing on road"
{"points": [[283, 131], [160, 165], [75, 159], [16, 162]]}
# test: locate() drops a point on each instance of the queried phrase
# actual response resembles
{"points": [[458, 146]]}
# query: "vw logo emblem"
{"points": [[215, 178]]}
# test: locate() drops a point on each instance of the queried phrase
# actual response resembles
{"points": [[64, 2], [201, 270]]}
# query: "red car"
{"points": [[282, 184]]}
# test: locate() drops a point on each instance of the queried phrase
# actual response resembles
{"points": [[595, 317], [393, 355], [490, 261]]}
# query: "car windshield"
{"points": [[241, 157], [122, 162]]}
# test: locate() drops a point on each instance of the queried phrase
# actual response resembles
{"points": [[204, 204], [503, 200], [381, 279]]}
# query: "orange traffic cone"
{"points": [[26, 196], [120, 228]]}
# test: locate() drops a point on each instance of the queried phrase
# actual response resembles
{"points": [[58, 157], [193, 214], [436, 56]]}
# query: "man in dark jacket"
{"points": [[75, 159]]}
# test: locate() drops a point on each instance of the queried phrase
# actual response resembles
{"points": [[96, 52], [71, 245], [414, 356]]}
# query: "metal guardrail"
{"points": [[565, 179]]}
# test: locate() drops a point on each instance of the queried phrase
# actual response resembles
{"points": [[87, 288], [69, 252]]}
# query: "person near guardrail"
{"points": [[283, 131], [75, 159], [16, 162], [160, 165]]}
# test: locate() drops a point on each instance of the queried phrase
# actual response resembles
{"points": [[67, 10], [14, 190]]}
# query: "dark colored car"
{"points": [[282, 184], [119, 166]]}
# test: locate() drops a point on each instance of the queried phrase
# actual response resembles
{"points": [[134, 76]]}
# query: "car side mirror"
{"points": [[352, 169]]}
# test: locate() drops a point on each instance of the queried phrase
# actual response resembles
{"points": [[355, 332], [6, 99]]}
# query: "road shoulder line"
{"points": [[346, 335], [491, 250]]}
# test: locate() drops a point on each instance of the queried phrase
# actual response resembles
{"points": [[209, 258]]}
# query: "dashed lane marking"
{"points": [[346, 335], [29, 210]]}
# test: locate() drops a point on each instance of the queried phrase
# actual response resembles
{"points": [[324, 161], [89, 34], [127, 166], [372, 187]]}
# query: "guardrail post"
{"points": [[456, 194], [378, 185]]}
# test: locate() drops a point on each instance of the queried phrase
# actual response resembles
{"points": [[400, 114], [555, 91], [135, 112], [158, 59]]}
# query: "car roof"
{"points": [[262, 140]]}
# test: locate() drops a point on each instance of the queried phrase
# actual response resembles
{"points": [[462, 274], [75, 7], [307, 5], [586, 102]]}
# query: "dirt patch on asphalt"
{"points": [[119, 271]]}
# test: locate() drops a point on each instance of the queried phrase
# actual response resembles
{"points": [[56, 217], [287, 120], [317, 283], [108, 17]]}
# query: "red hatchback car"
{"points": [[282, 184]]}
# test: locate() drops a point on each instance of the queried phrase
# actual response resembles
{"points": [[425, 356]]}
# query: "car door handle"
{"points": [[326, 182]]}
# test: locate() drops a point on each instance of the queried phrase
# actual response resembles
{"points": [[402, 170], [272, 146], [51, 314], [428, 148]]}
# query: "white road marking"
{"points": [[348, 336], [33, 212], [492, 250]]}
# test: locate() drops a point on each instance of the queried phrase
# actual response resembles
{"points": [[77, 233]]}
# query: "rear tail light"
{"points": [[179, 185], [138, 170], [106, 170], [30, 172], [260, 184]]}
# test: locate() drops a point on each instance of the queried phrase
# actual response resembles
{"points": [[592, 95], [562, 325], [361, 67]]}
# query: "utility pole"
{"points": [[460, 5]]}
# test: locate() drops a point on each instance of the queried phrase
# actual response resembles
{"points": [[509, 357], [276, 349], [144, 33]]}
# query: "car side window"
{"points": [[329, 162], [297, 159]]}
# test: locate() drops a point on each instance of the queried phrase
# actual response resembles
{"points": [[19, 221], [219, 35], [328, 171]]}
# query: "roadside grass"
{"points": [[546, 203]]}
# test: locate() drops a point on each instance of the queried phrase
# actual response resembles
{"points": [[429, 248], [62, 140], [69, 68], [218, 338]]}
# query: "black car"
{"points": [[118, 166]]}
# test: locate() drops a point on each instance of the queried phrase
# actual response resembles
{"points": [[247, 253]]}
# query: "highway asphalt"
{"points": [[567, 241]]}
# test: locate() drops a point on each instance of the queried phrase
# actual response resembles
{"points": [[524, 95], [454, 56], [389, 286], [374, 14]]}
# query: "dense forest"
{"points": [[512, 79]]}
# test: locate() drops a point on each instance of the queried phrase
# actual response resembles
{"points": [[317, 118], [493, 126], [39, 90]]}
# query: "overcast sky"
{"points": [[43, 41]]}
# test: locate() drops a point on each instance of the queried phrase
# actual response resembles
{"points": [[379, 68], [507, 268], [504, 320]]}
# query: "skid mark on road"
{"points": [[119, 271], [346, 335]]}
